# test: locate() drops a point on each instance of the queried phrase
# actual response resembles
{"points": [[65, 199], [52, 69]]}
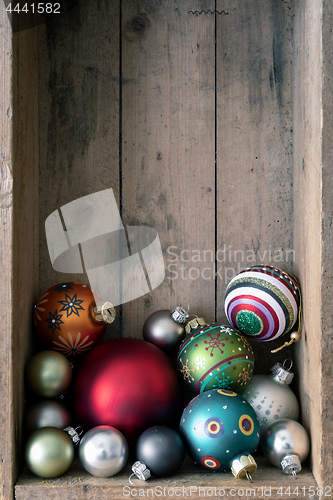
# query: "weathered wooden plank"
{"points": [[7, 464], [326, 383], [254, 144], [190, 481], [313, 216], [19, 233], [78, 115], [168, 148]]}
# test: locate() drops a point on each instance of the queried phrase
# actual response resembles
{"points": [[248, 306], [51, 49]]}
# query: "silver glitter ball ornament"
{"points": [[286, 444], [103, 451], [271, 397]]}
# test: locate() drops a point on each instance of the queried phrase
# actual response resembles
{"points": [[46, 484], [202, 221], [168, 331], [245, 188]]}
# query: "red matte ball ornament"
{"points": [[67, 319], [129, 384]]}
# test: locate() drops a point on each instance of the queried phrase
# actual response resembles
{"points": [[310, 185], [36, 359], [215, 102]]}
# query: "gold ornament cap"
{"points": [[244, 466], [104, 312], [194, 323]]}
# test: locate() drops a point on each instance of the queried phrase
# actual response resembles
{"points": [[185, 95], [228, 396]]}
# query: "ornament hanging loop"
{"points": [[294, 336], [290, 364]]}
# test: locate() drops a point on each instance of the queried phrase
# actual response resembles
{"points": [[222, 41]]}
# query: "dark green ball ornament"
{"points": [[215, 357], [221, 431]]}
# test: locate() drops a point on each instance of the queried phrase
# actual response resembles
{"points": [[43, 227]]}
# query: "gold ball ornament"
{"points": [[49, 373], [49, 452]]}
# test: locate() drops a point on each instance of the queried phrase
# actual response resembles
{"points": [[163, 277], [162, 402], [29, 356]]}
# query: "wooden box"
{"points": [[212, 122]]}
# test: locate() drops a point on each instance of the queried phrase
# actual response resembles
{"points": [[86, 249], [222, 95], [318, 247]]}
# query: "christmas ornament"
{"points": [[271, 397], [263, 302], [128, 384], [103, 451], [67, 318], [49, 452], [49, 373], [160, 452], [221, 431], [286, 444], [214, 357], [166, 329], [46, 413]]}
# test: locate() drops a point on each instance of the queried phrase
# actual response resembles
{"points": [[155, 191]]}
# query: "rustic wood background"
{"points": [[212, 128]]}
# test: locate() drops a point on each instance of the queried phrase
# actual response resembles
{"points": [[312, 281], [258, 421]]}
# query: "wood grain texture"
{"points": [[327, 243], [168, 148], [7, 460], [78, 114], [307, 223], [25, 218], [254, 50], [189, 482]]}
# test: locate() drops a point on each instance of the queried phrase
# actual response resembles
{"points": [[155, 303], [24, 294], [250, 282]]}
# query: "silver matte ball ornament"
{"points": [[271, 397], [286, 444], [165, 328], [103, 451], [46, 413]]}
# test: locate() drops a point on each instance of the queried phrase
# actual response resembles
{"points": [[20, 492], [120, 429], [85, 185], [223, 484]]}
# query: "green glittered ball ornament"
{"points": [[215, 357], [221, 431]]}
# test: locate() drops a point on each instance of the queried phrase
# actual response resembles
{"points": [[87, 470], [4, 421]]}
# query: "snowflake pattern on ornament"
{"points": [[244, 375], [215, 343], [201, 363], [72, 348], [64, 287], [186, 371], [39, 309], [54, 320], [223, 383], [71, 305]]}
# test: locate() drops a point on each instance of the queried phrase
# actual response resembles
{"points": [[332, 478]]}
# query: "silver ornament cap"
{"points": [[141, 471], [291, 464], [281, 373], [179, 314]]}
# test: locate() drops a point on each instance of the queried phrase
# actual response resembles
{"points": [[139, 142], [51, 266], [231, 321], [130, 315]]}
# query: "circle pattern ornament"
{"points": [[210, 462], [215, 357], [214, 427], [246, 425], [217, 429], [262, 302]]}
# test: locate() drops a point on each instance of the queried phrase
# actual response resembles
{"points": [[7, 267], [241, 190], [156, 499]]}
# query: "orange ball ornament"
{"points": [[67, 318]]}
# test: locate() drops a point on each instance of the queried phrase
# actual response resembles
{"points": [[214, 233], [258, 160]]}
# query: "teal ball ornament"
{"points": [[221, 431], [215, 357], [262, 302]]}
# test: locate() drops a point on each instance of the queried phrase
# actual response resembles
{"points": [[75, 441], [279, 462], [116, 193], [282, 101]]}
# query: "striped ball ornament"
{"points": [[262, 302]]}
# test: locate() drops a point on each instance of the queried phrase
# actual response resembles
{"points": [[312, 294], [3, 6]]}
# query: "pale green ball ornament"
{"points": [[49, 452], [49, 373]]}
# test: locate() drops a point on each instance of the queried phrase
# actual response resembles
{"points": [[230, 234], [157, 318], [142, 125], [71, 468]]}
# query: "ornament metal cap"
{"points": [[244, 466], [104, 313], [194, 323], [74, 434], [179, 314], [141, 471], [291, 464], [281, 373]]}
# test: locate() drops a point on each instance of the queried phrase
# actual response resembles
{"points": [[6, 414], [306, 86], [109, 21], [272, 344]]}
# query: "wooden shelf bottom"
{"points": [[190, 482]]}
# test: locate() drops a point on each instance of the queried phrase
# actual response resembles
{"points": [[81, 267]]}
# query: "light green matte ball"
{"points": [[49, 452], [49, 373]]}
